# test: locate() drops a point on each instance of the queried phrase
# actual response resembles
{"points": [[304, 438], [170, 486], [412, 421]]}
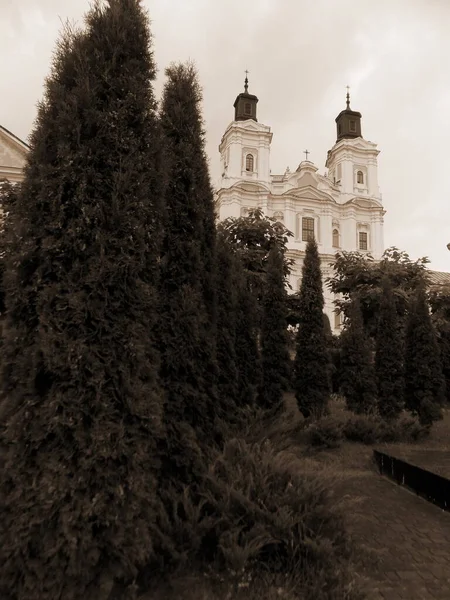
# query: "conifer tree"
{"points": [[227, 298], [275, 359], [357, 374], [312, 361], [389, 357], [189, 369], [424, 382], [81, 403], [248, 357]]}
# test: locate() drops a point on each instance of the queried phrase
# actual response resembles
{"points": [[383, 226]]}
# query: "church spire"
{"points": [[245, 104], [348, 122]]}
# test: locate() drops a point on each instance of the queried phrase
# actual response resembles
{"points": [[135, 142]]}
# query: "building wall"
{"points": [[345, 203]]}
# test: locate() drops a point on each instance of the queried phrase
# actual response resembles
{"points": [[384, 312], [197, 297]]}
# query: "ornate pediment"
{"points": [[308, 179], [309, 192]]}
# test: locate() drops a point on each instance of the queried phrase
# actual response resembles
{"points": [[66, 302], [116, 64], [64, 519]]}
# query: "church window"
{"points": [[307, 229], [339, 172], [360, 177], [339, 129], [249, 162], [352, 126], [335, 238], [363, 240], [247, 108]]}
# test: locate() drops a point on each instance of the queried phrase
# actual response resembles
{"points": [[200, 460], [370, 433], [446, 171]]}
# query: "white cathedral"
{"points": [[342, 208]]}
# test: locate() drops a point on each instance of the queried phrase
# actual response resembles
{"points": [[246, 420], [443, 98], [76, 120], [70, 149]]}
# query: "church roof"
{"points": [[438, 278], [10, 134]]}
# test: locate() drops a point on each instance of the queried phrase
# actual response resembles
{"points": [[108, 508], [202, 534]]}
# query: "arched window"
{"points": [[335, 238], [247, 108], [360, 177], [249, 162]]}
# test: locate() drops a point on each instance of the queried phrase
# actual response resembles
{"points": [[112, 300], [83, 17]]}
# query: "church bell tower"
{"points": [[245, 145], [352, 161]]}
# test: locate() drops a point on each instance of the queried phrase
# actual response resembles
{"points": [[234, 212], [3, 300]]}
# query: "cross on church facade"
{"points": [[306, 152]]}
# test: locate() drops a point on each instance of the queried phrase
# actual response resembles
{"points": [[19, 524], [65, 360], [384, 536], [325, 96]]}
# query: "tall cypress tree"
{"points": [[357, 375], [227, 298], [247, 348], [81, 404], [189, 369], [389, 357], [424, 382], [275, 359], [312, 361]]}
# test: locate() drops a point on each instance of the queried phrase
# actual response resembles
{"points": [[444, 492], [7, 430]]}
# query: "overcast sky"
{"points": [[394, 54]]}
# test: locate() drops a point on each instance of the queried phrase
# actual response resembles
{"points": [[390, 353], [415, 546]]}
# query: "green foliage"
{"points": [[261, 512], [227, 307], [357, 375], [247, 348], [275, 358], [440, 307], [252, 238], [358, 275], [81, 404], [327, 432], [187, 332], [424, 382], [389, 357], [373, 429], [312, 361]]}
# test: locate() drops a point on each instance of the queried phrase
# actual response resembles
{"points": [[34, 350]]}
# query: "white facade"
{"points": [[343, 205]]}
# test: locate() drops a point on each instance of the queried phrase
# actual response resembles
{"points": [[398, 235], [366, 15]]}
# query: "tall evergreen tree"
{"points": [[312, 361], [247, 347], [275, 359], [227, 298], [389, 357], [357, 374], [189, 369], [81, 404], [424, 382], [440, 307]]}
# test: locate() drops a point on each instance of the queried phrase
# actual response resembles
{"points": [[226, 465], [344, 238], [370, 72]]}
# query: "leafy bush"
{"points": [[260, 512], [367, 430], [374, 429], [326, 432]]}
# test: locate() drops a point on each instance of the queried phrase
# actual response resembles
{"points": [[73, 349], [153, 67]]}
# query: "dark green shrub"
{"points": [[365, 429], [262, 512], [374, 429], [326, 432]]}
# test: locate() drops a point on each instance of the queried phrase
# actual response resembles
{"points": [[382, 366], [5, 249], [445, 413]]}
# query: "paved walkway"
{"points": [[409, 539]]}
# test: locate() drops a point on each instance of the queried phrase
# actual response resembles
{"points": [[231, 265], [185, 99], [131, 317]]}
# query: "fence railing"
{"points": [[430, 486]]}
